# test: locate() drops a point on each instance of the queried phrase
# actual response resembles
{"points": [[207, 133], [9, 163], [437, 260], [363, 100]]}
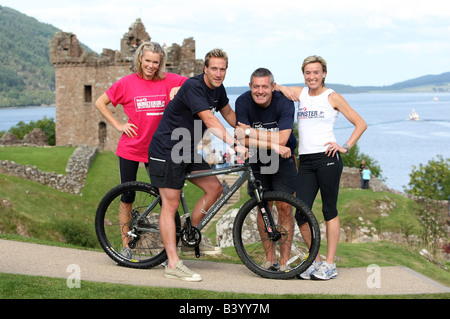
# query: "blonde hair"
{"points": [[314, 59], [216, 53], [154, 48]]}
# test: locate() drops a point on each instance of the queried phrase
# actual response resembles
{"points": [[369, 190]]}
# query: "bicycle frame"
{"points": [[246, 176], [214, 209], [255, 217]]}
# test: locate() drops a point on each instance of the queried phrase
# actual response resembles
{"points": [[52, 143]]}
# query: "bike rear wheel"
{"points": [[119, 212], [289, 255]]}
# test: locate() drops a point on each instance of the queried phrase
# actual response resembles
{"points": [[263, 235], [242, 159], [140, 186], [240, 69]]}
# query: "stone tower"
{"points": [[81, 77]]}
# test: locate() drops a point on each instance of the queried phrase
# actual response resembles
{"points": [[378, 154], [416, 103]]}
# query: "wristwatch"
{"points": [[247, 131], [346, 147]]}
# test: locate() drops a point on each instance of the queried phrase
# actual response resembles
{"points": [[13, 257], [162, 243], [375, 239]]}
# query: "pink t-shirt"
{"points": [[143, 102]]}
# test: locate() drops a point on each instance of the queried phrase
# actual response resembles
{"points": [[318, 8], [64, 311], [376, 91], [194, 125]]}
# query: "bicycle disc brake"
{"points": [[133, 234]]}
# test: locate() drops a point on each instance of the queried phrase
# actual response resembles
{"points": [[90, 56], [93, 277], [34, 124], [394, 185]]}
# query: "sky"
{"points": [[379, 42]]}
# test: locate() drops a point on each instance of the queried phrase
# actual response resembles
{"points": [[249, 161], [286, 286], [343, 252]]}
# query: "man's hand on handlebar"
{"points": [[241, 151]]}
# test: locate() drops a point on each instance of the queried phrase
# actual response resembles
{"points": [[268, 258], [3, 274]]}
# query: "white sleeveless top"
{"points": [[316, 118]]}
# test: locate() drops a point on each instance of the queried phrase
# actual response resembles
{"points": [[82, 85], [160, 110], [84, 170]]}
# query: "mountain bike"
{"points": [[265, 233]]}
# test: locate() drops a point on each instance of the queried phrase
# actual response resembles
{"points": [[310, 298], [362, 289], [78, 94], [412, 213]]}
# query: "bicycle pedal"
{"points": [[197, 251]]}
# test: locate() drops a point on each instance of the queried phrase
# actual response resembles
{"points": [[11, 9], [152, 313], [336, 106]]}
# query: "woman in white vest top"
{"points": [[320, 162]]}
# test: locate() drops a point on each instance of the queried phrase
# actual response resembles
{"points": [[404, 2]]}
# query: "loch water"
{"points": [[396, 143]]}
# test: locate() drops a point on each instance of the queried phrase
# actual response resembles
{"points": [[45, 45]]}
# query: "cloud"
{"points": [[372, 35]]}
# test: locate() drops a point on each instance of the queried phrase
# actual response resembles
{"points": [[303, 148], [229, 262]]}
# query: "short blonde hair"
{"points": [[314, 59], [216, 53], [155, 48]]}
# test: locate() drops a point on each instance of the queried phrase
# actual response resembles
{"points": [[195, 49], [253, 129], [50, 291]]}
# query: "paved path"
{"points": [[41, 260]]}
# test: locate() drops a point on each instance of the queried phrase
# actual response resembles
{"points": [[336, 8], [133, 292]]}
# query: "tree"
{"points": [[431, 183], [432, 221], [46, 125], [431, 180]]}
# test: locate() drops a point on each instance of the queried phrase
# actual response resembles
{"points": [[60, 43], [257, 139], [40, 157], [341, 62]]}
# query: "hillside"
{"points": [[26, 75], [426, 83]]}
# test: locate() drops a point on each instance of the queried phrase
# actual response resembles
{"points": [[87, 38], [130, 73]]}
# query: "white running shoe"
{"points": [[326, 271], [311, 269]]}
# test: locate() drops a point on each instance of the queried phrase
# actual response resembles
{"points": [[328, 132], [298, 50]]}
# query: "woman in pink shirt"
{"points": [[144, 96]]}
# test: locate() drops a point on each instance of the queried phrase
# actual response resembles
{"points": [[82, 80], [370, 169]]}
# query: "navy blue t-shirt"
{"points": [[278, 116], [180, 119]]}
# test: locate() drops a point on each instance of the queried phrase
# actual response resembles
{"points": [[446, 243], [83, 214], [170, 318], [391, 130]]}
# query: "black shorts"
{"points": [[167, 174], [284, 179]]}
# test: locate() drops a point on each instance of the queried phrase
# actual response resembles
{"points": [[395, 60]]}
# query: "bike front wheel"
{"points": [[278, 258], [129, 215]]}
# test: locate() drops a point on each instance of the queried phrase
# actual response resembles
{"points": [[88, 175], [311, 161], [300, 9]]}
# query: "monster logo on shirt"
{"points": [[153, 104]]}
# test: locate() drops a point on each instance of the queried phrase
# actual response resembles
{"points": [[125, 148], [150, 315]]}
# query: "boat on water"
{"points": [[413, 116]]}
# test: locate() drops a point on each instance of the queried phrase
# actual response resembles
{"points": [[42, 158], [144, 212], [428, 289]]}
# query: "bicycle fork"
{"points": [[266, 213]]}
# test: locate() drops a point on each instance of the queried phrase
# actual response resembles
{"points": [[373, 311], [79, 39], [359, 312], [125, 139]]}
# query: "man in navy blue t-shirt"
{"points": [[267, 117], [172, 151]]}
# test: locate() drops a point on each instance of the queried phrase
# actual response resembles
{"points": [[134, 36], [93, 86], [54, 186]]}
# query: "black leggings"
{"points": [[319, 172], [128, 173]]}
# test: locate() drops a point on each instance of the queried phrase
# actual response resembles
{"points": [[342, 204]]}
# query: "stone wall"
{"points": [[36, 137], [72, 182], [351, 179]]}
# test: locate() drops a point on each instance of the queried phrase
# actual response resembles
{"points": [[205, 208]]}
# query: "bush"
{"points": [[46, 125], [76, 234], [431, 180]]}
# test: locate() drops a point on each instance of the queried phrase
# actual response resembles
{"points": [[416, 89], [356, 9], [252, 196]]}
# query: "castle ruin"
{"points": [[81, 77]]}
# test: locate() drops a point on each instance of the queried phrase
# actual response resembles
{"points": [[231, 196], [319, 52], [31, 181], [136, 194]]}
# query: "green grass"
{"points": [[35, 287], [52, 159], [356, 204], [52, 217], [49, 214]]}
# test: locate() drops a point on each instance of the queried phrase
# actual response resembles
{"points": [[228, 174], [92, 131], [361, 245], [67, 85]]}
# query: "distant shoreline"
{"points": [[340, 88], [347, 89], [28, 106]]}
